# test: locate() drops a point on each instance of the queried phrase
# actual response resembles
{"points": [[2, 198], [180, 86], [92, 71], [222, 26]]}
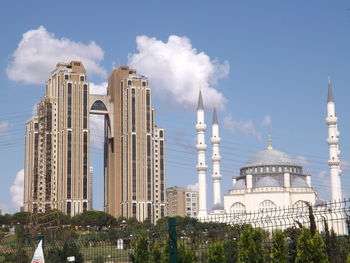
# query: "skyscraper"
{"points": [[57, 145], [57, 158], [134, 150]]}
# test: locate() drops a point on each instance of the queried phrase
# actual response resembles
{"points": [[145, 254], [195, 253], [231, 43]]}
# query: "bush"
{"points": [[310, 249], [250, 246], [216, 253], [279, 249]]}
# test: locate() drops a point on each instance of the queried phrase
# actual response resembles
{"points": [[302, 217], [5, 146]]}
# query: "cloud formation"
{"points": [[39, 51], [267, 121], [4, 126], [193, 187], [178, 70], [17, 189], [245, 127]]}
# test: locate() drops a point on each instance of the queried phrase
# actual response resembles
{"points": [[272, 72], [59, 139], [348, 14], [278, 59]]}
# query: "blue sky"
{"points": [[271, 60]]}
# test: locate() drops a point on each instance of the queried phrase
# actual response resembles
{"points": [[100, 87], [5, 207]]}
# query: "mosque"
{"points": [[270, 179]]}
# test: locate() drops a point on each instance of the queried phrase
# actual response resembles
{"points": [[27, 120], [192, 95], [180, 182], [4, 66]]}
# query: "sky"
{"points": [[263, 64]]}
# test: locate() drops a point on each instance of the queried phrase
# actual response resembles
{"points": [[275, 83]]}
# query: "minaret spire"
{"points": [[330, 93], [216, 158], [201, 166], [333, 145], [269, 147]]}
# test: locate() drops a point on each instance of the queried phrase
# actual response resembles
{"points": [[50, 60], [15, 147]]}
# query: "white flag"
{"points": [[39, 254]]}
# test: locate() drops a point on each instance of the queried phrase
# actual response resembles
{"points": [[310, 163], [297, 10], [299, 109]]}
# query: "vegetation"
{"points": [[93, 236], [216, 253], [250, 246], [279, 249], [310, 248]]}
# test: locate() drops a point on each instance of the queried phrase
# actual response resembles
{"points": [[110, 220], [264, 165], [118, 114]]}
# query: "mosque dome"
{"points": [[270, 157]]}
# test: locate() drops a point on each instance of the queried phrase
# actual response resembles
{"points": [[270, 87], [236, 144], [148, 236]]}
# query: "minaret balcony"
{"points": [[216, 177], [331, 120], [216, 158], [333, 162], [201, 127], [201, 147], [333, 140], [202, 168], [215, 140]]}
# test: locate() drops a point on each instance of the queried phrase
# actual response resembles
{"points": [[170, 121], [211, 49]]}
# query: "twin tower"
{"points": [[57, 146]]}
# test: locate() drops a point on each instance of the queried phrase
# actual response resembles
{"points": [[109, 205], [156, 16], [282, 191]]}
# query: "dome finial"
{"points": [[269, 147]]}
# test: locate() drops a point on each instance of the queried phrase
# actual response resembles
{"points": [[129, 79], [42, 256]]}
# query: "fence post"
{"points": [[172, 240]]}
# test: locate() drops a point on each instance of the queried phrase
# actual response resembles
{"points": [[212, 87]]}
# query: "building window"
{"points": [[148, 111], [85, 111], [149, 176], [133, 110], [69, 164], [69, 208], [69, 106], [66, 77], [82, 78], [129, 82], [133, 166], [134, 210], [85, 164]]}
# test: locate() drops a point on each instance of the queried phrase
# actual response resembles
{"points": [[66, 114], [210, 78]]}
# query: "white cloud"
{"points": [[17, 190], [39, 51], [267, 121], [4, 126], [245, 127], [178, 70], [193, 187], [100, 89]]}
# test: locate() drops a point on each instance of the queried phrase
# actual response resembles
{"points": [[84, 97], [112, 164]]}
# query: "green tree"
{"points": [[279, 249], [292, 234], [22, 234], [216, 253], [156, 254], [141, 252], [310, 249], [333, 245], [94, 218], [312, 220], [231, 251], [20, 218], [250, 246], [185, 255]]}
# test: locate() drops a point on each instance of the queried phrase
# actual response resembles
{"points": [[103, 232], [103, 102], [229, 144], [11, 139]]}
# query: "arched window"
{"points": [[267, 205], [300, 206], [98, 105], [237, 208]]}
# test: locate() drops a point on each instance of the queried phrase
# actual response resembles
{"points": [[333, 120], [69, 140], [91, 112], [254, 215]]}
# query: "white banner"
{"points": [[39, 254]]}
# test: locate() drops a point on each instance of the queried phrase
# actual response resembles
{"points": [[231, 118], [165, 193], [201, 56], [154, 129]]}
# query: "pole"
{"points": [[172, 240]]}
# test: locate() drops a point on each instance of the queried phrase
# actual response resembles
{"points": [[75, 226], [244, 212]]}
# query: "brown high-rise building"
{"points": [[57, 173], [57, 145], [134, 186]]}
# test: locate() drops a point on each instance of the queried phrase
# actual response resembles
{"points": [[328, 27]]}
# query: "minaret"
{"points": [[333, 145], [216, 158], [201, 166]]}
